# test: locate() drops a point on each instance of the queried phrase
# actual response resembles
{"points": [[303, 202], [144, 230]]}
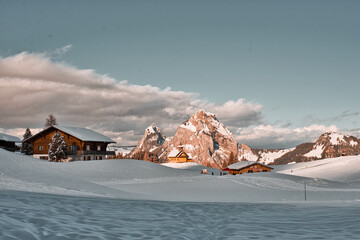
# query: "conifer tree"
{"points": [[57, 148], [50, 121], [26, 148]]}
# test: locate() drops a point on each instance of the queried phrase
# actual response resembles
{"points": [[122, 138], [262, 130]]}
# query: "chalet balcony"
{"points": [[91, 152]]}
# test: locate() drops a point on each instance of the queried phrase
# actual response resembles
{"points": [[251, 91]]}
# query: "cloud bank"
{"points": [[32, 85], [268, 136]]}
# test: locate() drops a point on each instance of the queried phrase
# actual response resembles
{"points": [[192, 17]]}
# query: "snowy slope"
{"points": [[132, 179], [342, 169]]}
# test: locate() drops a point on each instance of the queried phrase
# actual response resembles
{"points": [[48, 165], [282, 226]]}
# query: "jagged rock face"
{"points": [[331, 145], [328, 145], [151, 141], [205, 139], [265, 156]]}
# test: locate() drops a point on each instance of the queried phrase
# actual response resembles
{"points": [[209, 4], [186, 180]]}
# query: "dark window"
{"points": [[73, 149]]}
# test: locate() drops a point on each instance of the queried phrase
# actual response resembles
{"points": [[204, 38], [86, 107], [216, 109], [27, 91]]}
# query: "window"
{"points": [[73, 149], [87, 147], [88, 158], [41, 148], [98, 147], [100, 157]]}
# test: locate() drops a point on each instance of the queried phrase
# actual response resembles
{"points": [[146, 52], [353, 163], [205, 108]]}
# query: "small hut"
{"points": [[8, 142], [178, 156], [247, 167]]}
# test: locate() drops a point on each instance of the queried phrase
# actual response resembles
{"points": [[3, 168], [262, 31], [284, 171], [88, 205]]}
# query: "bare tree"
{"points": [[50, 121]]}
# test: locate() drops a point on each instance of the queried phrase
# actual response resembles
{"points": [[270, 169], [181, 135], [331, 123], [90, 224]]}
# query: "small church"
{"points": [[179, 156]]}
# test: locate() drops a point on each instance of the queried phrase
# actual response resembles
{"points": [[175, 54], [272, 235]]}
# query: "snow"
{"points": [[185, 165], [317, 152], [248, 155], [173, 153], [152, 129], [269, 157], [120, 149], [353, 143], [336, 138], [84, 134], [9, 138], [142, 200], [188, 125], [342, 169], [129, 179]]}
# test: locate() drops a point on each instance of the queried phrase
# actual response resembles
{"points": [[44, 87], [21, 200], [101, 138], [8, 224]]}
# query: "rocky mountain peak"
{"points": [[334, 138], [208, 141], [152, 140]]}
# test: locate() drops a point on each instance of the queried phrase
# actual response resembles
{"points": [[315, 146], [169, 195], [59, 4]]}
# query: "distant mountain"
{"points": [[328, 145], [210, 143], [205, 139], [120, 148], [265, 156], [151, 141]]}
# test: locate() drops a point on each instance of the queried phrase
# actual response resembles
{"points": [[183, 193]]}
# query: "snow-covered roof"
{"points": [[243, 164], [83, 134], [178, 152], [173, 153], [9, 138]]}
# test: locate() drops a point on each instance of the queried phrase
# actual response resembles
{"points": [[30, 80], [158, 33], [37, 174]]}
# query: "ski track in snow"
{"points": [[130, 199], [39, 216]]}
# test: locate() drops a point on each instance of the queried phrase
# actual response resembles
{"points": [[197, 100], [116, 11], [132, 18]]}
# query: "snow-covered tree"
{"points": [[50, 121], [57, 148], [26, 148]]}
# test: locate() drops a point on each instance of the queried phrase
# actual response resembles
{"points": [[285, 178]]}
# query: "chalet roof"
{"points": [[83, 134], [9, 138], [177, 153], [244, 164]]}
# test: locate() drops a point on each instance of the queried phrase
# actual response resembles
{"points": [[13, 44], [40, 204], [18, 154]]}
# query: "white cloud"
{"points": [[268, 136], [63, 50], [33, 85]]}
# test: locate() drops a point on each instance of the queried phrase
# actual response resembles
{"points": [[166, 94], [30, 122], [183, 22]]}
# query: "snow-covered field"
{"points": [[130, 199]]}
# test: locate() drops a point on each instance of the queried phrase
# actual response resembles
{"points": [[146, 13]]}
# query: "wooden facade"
{"points": [[77, 148], [178, 156], [247, 167]]}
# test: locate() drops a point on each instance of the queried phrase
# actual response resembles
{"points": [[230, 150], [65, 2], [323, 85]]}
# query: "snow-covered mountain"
{"points": [[120, 149], [265, 156], [151, 141], [205, 139], [328, 145]]}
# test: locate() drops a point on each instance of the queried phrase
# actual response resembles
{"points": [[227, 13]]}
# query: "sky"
{"points": [[277, 73]]}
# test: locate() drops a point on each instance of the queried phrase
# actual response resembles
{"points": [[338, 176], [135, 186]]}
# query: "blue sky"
{"points": [[299, 60]]}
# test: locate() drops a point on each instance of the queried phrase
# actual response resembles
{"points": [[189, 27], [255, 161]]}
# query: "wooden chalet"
{"points": [[247, 167], [82, 143], [8, 142], [178, 156]]}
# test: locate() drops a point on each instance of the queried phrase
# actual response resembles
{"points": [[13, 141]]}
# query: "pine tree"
{"points": [[50, 121], [57, 148], [26, 148]]}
